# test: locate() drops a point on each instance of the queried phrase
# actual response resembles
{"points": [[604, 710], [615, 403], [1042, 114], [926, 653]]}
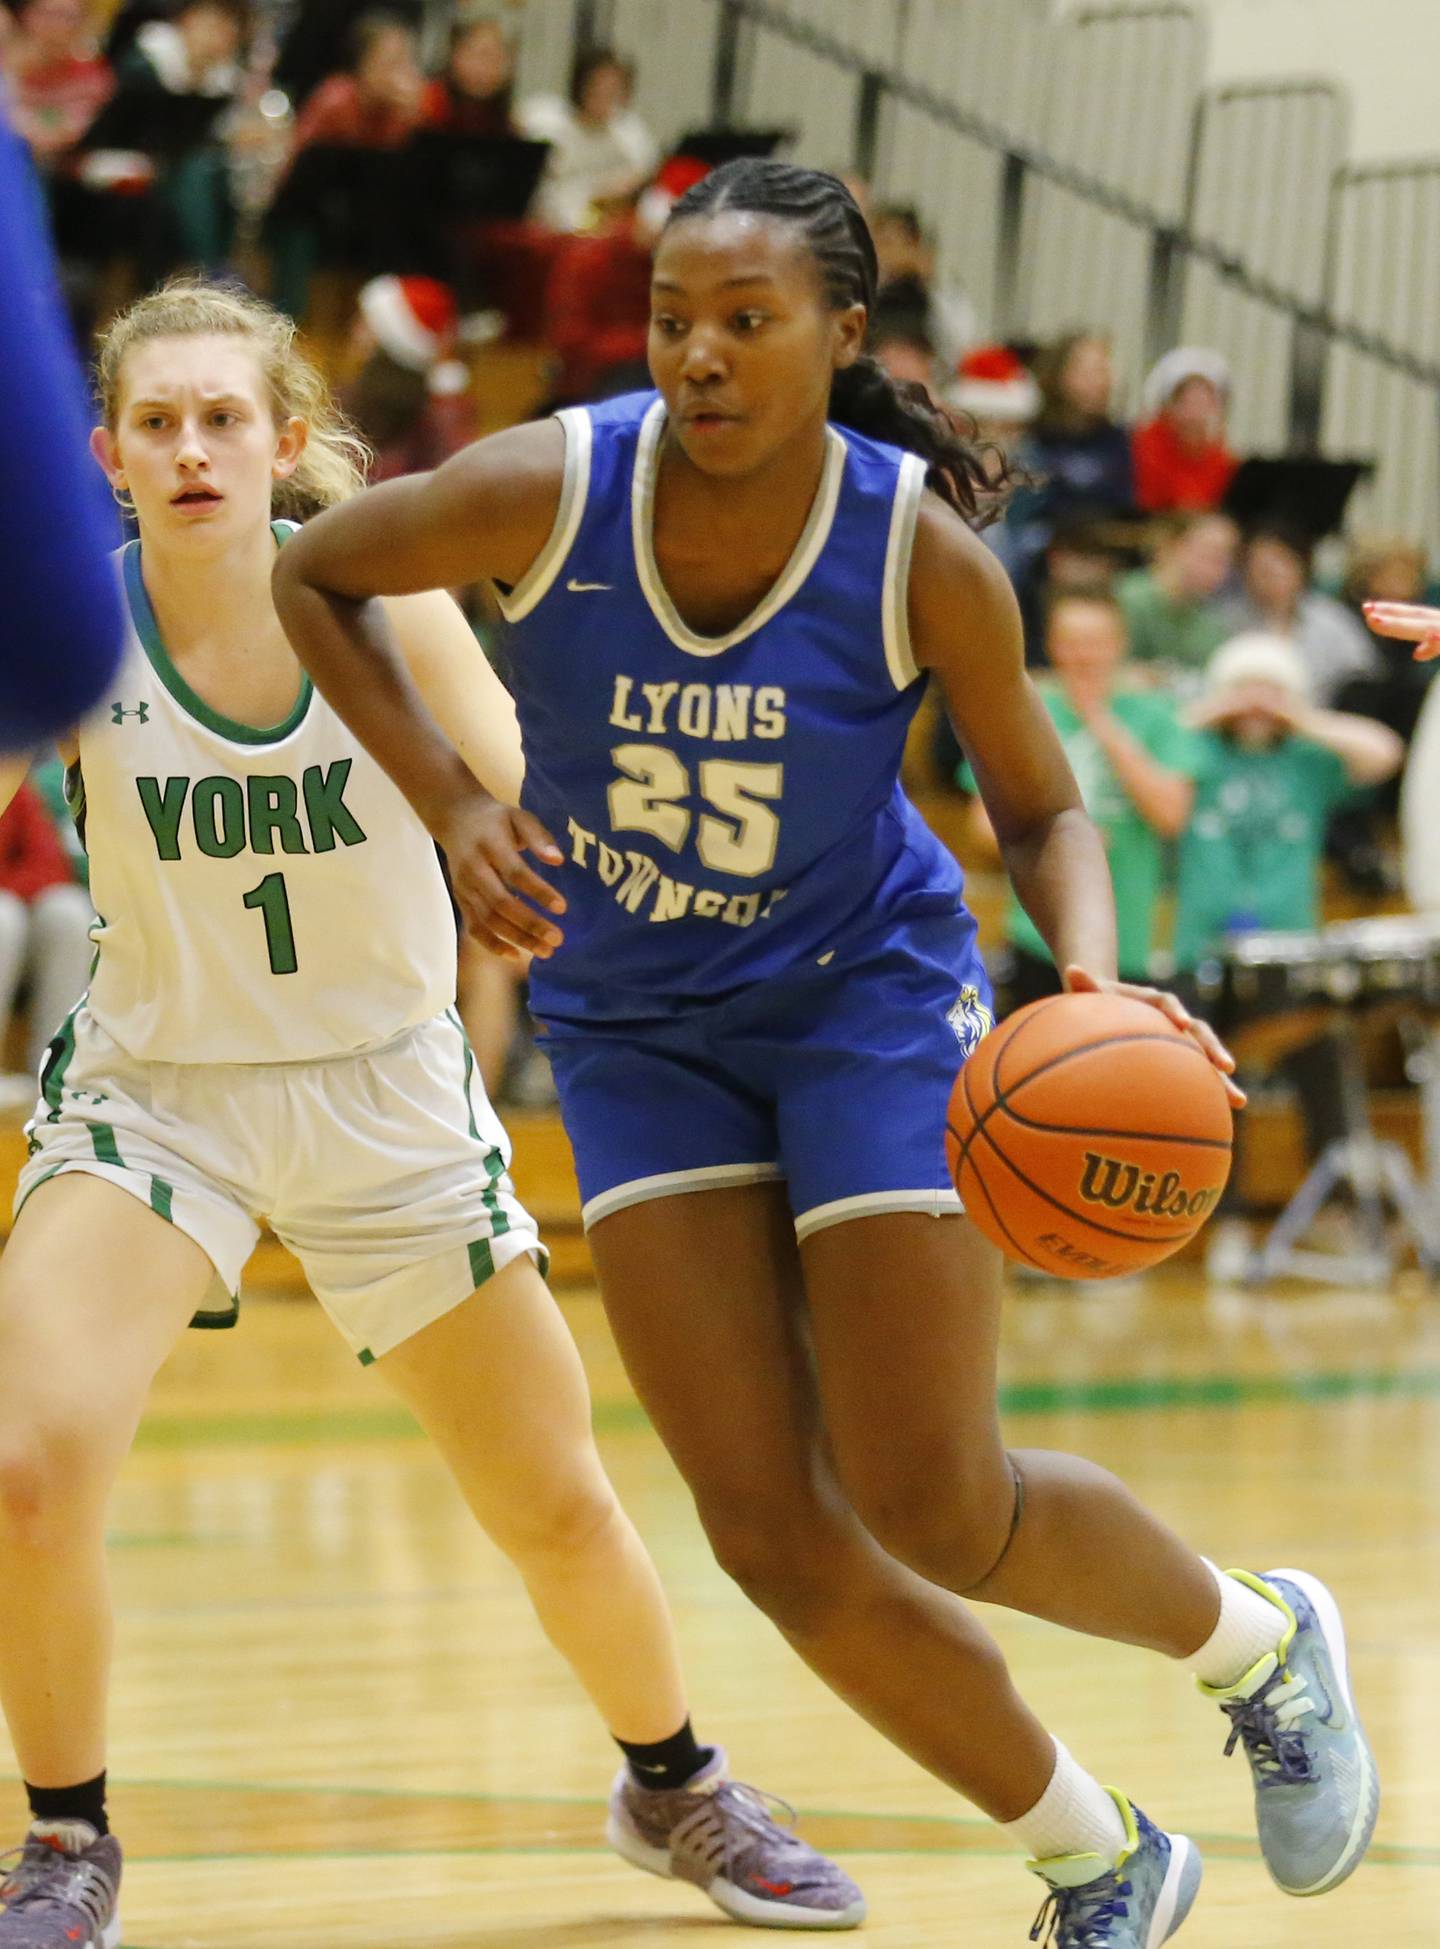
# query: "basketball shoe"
{"points": [[723, 1837], [1316, 1790], [61, 1889], [1137, 1904]]}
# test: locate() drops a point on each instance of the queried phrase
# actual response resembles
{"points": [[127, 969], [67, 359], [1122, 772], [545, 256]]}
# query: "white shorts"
{"points": [[384, 1173]]}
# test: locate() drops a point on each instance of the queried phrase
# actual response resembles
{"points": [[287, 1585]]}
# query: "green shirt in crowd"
{"points": [[1134, 849], [1251, 857], [1185, 634]]}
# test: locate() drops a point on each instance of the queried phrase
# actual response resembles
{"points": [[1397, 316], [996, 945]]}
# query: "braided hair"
{"points": [[972, 478]]}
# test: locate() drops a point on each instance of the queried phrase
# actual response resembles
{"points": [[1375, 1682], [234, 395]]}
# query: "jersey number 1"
{"points": [[274, 902]]}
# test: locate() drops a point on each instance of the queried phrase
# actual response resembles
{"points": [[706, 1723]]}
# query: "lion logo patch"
{"points": [[971, 1020]]}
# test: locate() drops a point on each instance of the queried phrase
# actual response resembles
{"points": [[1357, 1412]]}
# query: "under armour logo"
{"points": [[142, 711]]}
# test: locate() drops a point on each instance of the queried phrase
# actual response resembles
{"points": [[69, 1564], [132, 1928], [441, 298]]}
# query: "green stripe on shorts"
{"points": [[482, 1260], [161, 1197], [102, 1138], [453, 1017], [499, 1217], [57, 1061]]}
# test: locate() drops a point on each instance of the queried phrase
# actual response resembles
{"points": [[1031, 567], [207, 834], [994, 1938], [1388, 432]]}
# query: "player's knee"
{"points": [[44, 1483], [791, 1566], [565, 1526], [948, 1522]]}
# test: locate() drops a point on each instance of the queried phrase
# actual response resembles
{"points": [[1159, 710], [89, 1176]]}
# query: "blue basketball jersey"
{"points": [[729, 807]]}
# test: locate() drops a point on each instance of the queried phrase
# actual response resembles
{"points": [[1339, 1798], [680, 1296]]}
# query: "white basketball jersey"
{"points": [[263, 896]]}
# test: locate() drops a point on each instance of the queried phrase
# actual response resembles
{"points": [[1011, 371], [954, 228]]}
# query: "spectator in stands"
{"points": [[1134, 764], [1075, 464], [197, 51], [1181, 459], [411, 397], [1277, 597], [1272, 768], [474, 96], [1175, 620], [597, 301], [910, 303], [907, 354], [45, 921], [375, 103], [601, 152], [57, 77], [997, 390]]}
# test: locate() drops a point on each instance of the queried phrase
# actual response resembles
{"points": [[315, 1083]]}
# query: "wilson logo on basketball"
{"points": [[1118, 1186]]}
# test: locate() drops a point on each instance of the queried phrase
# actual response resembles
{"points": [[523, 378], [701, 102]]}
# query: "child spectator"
{"points": [[1133, 762], [1176, 624], [601, 152], [1181, 459], [909, 301], [1277, 599], [45, 921], [58, 79], [411, 399], [1271, 770], [474, 95]]}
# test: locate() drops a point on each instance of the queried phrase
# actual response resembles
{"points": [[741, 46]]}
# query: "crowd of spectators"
{"points": [[1227, 713]]}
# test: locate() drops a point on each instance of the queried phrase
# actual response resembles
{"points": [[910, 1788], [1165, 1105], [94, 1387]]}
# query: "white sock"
{"points": [[1074, 1815], [1250, 1625]]}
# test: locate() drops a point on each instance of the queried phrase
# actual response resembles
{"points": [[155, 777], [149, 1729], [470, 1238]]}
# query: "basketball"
{"points": [[1088, 1136]]}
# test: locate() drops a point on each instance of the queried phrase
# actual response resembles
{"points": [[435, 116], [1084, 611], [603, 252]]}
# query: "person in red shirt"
{"points": [[1182, 463], [475, 93], [45, 921], [377, 102], [597, 300], [58, 78]]}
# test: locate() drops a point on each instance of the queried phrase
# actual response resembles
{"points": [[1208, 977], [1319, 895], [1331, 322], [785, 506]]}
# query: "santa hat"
{"points": [[413, 319], [994, 384], [674, 176], [1170, 373]]}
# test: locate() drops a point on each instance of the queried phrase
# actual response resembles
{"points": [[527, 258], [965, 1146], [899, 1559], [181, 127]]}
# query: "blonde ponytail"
{"points": [[334, 464]]}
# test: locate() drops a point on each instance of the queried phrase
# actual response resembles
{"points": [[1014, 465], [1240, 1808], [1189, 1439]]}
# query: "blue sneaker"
{"points": [[1316, 1789], [1137, 1904]]}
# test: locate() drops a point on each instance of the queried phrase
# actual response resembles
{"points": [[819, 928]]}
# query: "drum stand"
{"points": [[1372, 1170]]}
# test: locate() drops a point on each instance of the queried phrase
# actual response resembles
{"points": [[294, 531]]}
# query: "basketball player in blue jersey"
{"points": [[62, 624], [269, 1032], [757, 977]]}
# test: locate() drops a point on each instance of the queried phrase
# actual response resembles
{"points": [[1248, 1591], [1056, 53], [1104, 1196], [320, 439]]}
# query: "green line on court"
{"points": [[1141, 1395]]}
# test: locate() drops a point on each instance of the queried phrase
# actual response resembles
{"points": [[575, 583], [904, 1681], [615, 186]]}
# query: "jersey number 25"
{"points": [[739, 835]]}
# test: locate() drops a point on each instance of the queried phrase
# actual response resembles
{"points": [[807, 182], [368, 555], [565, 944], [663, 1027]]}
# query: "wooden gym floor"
{"points": [[336, 1722]]}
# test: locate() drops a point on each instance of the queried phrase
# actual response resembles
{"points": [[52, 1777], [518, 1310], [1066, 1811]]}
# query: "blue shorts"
{"points": [[834, 1080]]}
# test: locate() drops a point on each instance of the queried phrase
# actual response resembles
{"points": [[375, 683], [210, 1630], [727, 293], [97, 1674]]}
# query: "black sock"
{"points": [[669, 1762], [85, 1802]]}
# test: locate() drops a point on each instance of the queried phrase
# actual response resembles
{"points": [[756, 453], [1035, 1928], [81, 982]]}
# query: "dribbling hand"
{"points": [[483, 842], [1410, 622], [1078, 981]]}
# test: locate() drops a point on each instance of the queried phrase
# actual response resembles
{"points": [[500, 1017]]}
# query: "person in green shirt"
{"points": [[1132, 760], [1170, 606], [1272, 768]]}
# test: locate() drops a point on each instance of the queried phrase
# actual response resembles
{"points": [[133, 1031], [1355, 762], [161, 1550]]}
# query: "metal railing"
{"points": [[1076, 172]]}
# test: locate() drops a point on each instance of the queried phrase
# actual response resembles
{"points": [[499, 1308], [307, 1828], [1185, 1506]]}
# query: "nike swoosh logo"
{"points": [[583, 588], [646, 1768]]}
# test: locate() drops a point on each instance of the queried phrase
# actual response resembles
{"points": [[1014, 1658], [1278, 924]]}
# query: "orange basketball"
{"points": [[1088, 1136]]}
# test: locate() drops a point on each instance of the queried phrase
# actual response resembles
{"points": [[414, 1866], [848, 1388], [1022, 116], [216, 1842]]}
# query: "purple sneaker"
{"points": [[61, 1892], [723, 1837]]}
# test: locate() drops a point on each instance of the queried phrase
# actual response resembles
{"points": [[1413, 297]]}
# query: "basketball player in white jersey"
{"points": [[270, 1034]]}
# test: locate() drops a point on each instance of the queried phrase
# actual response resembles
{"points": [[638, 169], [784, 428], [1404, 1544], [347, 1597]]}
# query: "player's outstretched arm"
{"points": [[1410, 622], [485, 515]]}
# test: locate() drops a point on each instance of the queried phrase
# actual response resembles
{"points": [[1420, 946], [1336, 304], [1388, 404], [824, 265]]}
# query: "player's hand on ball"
{"points": [[483, 842], [1078, 981], [1411, 622]]}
